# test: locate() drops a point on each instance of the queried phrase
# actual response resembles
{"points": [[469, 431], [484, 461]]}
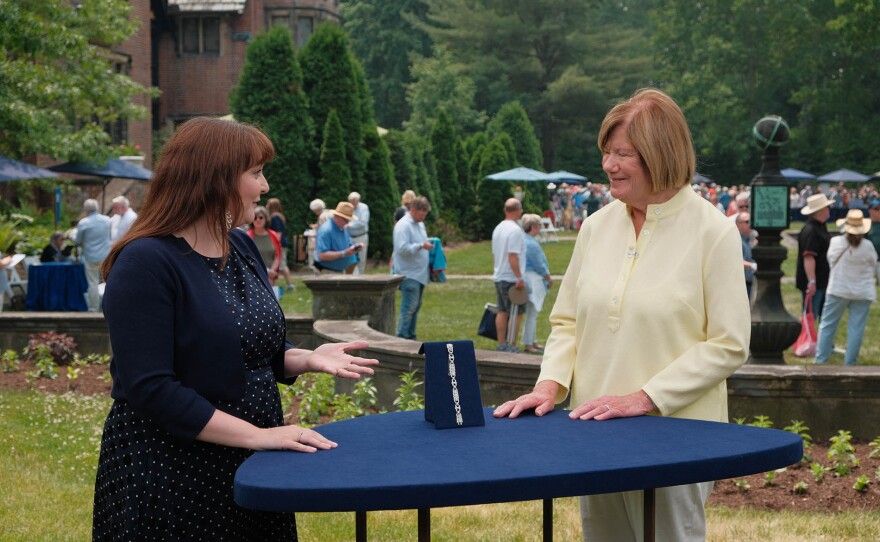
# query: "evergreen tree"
{"points": [[330, 81], [424, 169], [513, 120], [402, 161], [335, 182], [432, 183], [493, 194], [269, 94], [469, 219], [443, 147], [475, 145], [384, 197]]}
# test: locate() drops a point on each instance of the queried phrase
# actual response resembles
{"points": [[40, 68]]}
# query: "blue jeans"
{"points": [[410, 303], [855, 327]]}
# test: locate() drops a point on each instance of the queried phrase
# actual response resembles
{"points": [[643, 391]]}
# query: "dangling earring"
{"points": [[228, 221]]}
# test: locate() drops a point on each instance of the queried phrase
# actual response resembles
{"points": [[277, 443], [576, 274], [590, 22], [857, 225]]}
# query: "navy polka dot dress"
{"points": [[153, 486]]}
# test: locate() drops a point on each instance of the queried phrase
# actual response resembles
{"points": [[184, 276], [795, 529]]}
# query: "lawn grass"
{"points": [[49, 452]]}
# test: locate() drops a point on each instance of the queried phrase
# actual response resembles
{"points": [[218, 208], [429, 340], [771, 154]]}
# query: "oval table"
{"points": [[399, 461]]}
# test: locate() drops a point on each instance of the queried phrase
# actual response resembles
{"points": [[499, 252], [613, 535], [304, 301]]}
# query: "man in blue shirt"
{"points": [[93, 234], [334, 251], [411, 248]]}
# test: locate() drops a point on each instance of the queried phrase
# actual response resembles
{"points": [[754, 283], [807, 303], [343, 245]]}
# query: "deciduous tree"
{"points": [[57, 88]]}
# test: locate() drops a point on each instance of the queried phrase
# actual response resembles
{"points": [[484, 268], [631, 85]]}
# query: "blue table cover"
{"points": [[398, 461], [57, 287]]}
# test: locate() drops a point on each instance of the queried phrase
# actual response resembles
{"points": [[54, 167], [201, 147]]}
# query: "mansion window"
{"points": [[200, 35], [300, 22]]}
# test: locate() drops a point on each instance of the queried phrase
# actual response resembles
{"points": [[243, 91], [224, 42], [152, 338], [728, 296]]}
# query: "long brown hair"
{"points": [[198, 176], [274, 207]]}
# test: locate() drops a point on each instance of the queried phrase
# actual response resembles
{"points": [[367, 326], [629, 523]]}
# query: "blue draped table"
{"points": [[398, 461], [57, 287]]}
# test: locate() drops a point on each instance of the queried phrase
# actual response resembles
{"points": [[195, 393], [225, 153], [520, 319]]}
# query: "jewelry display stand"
{"points": [[452, 386]]}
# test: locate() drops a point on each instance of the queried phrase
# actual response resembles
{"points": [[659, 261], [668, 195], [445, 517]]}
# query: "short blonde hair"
{"points": [[658, 131], [407, 198], [529, 221]]}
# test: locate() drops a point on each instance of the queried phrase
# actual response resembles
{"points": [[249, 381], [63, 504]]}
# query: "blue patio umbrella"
{"points": [[113, 167], [566, 176], [13, 170], [844, 176], [700, 178], [793, 174], [522, 174]]}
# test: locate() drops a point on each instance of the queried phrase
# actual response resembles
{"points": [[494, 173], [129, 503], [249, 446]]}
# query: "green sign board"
{"points": [[770, 206]]}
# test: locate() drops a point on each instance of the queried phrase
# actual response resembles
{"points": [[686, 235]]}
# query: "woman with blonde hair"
{"points": [[199, 342], [405, 200], [645, 321]]}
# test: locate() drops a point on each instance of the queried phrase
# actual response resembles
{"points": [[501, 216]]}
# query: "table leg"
{"points": [[360, 526], [649, 515], [548, 520], [424, 525]]}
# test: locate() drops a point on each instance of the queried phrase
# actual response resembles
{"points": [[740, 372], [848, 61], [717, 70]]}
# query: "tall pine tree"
{"points": [[330, 81], [384, 197], [493, 194], [269, 94], [402, 161], [513, 120], [334, 184], [445, 159]]}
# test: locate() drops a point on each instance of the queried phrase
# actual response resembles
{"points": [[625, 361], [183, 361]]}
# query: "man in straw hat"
{"points": [[854, 270], [334, 251], [813, 240]]}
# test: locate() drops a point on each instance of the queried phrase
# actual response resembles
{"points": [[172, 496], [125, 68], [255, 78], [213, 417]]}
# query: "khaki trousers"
{"points": [[618, 517]]}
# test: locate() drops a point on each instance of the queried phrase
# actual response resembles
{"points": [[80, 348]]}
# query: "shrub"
{"points": [[61, 347]]}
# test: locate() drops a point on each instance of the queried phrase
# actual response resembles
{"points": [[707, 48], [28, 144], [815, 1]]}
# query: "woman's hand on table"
{"points": [[334, 359], [607, 407], [541, 399], [292, 437]]}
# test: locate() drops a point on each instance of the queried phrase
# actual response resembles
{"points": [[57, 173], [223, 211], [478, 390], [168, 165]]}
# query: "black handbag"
{"points": [[487, 322]]}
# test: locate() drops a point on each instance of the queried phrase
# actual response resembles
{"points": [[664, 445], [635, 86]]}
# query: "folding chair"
{"points": [[548, 231]]}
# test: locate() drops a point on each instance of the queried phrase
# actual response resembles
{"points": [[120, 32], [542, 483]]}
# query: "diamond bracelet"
{"points": [[458, 419]]}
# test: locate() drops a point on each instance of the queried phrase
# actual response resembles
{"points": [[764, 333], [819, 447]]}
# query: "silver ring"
{"points": [[607, 408], [298, 437]]}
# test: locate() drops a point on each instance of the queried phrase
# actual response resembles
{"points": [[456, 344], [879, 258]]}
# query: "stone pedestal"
{"points": [[350, 297]]}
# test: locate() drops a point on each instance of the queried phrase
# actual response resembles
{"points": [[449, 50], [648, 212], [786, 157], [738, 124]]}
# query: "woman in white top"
{"points": [[854, 268]]}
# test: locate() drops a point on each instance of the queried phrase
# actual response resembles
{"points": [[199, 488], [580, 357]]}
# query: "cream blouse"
{"points": [[666, 312]]}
